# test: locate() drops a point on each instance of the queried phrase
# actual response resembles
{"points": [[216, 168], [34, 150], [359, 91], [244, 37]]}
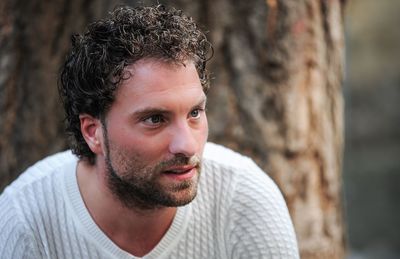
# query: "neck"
{"points": [[136, 231]]}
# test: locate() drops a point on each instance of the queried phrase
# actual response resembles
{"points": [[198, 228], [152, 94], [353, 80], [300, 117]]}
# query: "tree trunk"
{"points": [[34, 36], [275, 95]]}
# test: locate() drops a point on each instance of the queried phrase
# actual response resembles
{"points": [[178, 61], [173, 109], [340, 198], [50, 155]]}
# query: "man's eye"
{"points": [[154, 119], [195, 113]]}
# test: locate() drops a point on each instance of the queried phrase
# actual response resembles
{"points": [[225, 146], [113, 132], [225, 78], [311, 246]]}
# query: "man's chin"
{"points": [[181, 194], [172, 196], [182, 200]]}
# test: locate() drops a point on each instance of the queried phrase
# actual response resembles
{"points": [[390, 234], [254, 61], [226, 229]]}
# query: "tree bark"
{"points": [[275, 95], [33, 40]]}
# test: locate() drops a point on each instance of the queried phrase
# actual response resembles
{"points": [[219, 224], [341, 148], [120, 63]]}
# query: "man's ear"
{"points": [[92, 132]]}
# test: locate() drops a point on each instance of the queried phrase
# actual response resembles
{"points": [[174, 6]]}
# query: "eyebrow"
{"points": [[148, 111]]}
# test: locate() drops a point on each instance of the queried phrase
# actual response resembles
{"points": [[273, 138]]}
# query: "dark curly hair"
{"points": [[94, 67]]}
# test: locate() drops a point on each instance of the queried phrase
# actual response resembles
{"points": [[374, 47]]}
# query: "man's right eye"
{"points": [[154, 120]]}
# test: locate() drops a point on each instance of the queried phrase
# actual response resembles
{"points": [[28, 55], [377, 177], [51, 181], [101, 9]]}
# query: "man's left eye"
{"points": [[195, 113]]}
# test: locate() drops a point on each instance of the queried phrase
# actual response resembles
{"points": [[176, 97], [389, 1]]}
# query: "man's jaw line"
{"points": [[177, 172]]}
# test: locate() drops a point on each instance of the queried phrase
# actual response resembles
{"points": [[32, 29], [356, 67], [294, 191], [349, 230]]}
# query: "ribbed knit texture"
{"points": [[238, 213]]}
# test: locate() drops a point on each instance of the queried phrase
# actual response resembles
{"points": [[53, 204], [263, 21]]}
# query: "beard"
{"points": [[139, 186]]}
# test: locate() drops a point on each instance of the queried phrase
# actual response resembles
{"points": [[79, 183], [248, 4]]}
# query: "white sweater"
{"points": [[238, 213]]}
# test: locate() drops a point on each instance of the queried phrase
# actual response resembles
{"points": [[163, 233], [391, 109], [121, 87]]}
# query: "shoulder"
{"points": [[30, 199], [41, 169], [228, 164], [258, 221], [226, 157], [29, 194], [36, 180], [245, 183]]}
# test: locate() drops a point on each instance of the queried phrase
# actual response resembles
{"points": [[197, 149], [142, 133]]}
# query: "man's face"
{"points": [[154, 135]]}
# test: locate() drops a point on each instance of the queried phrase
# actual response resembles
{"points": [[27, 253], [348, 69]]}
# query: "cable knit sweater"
{"points": [[238, 213]]}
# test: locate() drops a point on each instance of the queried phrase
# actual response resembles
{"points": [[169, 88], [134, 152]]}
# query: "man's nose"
{"points": [[183, 140]]}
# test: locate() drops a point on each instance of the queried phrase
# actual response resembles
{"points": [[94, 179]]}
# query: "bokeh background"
{"points": [[372, 121]]}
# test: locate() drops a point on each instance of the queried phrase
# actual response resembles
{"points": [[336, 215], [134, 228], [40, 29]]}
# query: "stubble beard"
{"points": [[137, 186]]}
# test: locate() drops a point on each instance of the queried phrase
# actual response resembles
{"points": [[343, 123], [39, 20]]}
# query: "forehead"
{"points": [[150, 79]]}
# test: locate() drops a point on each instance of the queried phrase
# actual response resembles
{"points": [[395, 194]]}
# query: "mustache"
{"points": [[179, 161]]}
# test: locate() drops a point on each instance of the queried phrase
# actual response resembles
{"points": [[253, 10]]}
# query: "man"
{"points": [[141, 182]]}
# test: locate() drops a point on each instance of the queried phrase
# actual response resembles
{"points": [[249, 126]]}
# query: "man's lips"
{"points": [[179, 169], [180, 173]]}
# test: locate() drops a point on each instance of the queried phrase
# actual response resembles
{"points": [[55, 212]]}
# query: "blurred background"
{"points": [[372, 122]]}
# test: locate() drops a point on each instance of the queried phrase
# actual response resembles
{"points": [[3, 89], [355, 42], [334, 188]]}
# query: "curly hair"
{"points": [[94, 67]]}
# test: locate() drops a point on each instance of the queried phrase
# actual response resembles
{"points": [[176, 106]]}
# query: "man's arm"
{"points": [[15, 240]]}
